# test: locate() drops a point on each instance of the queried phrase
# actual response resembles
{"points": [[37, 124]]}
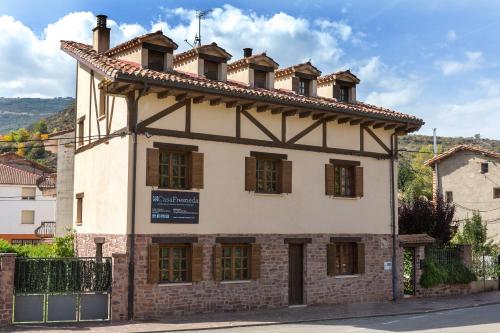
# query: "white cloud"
{"points": [[452, 35], [450, 67]]}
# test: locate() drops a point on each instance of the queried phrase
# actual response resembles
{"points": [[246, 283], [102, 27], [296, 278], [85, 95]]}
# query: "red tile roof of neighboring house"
{"points": [[14, 170], [450, 152], [116, 69], [137, 41], [414, 239]]}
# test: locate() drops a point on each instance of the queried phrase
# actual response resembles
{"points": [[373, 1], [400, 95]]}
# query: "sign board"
{"points": [[175, 207], [387, 265]]}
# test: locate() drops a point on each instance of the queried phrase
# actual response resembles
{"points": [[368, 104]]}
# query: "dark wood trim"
{"points": [[132, 110], [79, 195], [246, 106], [260, 154], [346, 239], [344, 162], [361, 138], [262, 108], [124, 131], [174, 240], [110, 118], [175, 146], [260, 126], [306, 76], [303, 240], [90, 105], [96, 109], [235, 240], [231, 104], [211, 58], [261, 67], [238, 122], [261, 143], [199, 99], [188, 116], [158, 48], [283, 127], [343, 120], [325, 134], [163, 94], [215, 101], [380, 142], [306, 131], [181, 97], [161, 114]]}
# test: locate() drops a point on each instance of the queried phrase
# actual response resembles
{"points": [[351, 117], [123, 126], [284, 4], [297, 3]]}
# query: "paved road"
{"points": [[483, 319]]}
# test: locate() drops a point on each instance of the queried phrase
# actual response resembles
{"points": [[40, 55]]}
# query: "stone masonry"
{"points": [[7, 266]]}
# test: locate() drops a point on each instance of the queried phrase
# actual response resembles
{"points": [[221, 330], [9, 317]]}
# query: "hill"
{"points": [[415, 142], [22, 112]]}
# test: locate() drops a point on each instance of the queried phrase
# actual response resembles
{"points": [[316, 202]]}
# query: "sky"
{"points": [[438, 60]]}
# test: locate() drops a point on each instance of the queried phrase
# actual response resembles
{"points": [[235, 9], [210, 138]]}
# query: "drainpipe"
{"points": [[394, 145], [131, 267]]}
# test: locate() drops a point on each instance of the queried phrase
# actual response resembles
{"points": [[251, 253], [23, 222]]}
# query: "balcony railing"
{"points": [[46, 230]]}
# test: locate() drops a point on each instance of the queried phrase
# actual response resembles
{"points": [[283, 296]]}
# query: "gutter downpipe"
{"points": [[131, 266], [394, 146]]}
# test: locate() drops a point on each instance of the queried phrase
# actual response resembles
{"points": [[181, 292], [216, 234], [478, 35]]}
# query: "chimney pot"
{"points": [[247, 52], [101, 21]]}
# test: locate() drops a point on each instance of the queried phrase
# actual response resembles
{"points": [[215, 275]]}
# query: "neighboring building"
{"points": [[469, 177], [64, 142], [27, 198], [230, 192]]}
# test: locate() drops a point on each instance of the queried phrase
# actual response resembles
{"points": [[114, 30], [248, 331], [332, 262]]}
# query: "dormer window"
{"points": [[304, 86], [344, 94], [156, 60], [211, 70], [259, 79]]}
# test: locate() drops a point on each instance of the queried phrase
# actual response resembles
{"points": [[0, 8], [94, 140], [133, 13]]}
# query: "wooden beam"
{"points": [[231, 104], [290, 113], [161, 114], [199, 99], [304, 114], [306, 131], [215, 101], [377, 139], [277, 110], [181, 97], [379, 125], [246, 106], [390, 126], [163, 94], [260, 126], [317, 116], [262, 108], [356, 121], [344, 120], [367, 122], [330, 118]]}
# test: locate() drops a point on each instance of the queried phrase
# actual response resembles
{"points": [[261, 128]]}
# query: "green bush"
{"points": [[61, 248], [453, 273]]}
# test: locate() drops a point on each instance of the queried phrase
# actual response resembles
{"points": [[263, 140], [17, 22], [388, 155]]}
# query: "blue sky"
{"points": [[438, 60]]}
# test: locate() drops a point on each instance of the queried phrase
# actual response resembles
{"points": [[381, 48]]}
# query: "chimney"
{"points": [[100, 40], [247, 52]]}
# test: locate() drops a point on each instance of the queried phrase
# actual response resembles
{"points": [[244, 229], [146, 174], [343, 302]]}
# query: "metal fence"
{"points": [[486, 266], [444, 255]]}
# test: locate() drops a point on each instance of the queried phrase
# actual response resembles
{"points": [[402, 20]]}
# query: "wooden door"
{"points": [[295, 274]]}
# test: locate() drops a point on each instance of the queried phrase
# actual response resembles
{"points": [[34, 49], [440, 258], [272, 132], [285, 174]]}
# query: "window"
{"points": [[484, 167], [28, 217], [235, 262], [79, 208], [259, 79], [267, 175], [211, 69], [304, 87], [449, 196], [28, 193], [344, 180], [175, 263], [173, 169], [344, 94], [80, 123], [345, 260], [156, 60], [496, 193]]}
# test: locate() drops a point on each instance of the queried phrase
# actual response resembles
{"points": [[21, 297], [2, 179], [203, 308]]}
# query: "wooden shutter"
{"points": [[331, 256], [196, 164], [154, 263], [217, 262], [285, 176], [153, 167], [250, 173], [329, 179], [358, 181], [255, 262], [196, 263], [295, 84], [360, 250]]}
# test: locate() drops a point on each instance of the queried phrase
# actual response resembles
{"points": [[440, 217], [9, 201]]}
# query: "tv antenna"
{"points": [[200, 15]]}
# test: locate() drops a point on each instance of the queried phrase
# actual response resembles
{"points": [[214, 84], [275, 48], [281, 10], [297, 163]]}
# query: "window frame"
{"points": [[339, 245], [205, 70], [484, 167], [80, 131], [266, 160], [260, 73], [350, 175], [344, 94], [28, 197], [233, 246], [170, 165], [32, 216], [171, 258], [79, 209], [496, 193], [448, 196], [156, 66], [304, 86]]}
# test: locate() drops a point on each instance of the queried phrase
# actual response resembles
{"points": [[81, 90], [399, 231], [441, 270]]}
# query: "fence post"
{"points": [[466, 255], [7, 267], [119, 289]]}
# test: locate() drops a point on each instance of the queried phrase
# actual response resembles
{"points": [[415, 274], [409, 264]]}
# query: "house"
{"points": [[27, 200], [469, 177], [231, 184]]}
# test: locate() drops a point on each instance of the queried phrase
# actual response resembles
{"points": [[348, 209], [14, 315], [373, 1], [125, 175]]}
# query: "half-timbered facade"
{"points": [[231, 185]]}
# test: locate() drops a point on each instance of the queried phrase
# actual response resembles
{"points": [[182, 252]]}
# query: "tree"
{"points": [[415, 178], [475, 233], [421, 216], [41, 127]]}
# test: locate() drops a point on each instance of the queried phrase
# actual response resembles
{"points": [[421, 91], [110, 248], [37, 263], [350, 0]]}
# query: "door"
{"points": [[295, 274]]}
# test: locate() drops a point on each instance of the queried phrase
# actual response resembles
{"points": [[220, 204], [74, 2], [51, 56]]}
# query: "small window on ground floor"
{"points": [[235, 262], [345, 258], [28, 217], [174, 263]]}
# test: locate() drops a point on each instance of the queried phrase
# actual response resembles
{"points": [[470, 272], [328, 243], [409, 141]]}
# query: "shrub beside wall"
{"points": [[61, 248], [451, 273]]}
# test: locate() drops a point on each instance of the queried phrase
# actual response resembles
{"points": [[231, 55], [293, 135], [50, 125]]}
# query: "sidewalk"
{"points": [[270, 317]]}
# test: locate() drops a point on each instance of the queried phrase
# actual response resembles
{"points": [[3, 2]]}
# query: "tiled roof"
{"points": [[194, 51], [10, 174], [119, 69], [414, 239], [244, 61], [135, 42], [448, 153], [333, 76], [290, 70]]}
